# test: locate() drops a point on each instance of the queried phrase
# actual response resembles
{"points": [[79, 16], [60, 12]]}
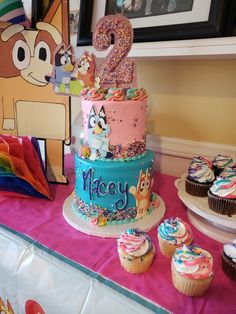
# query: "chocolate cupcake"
{"points": [[200, 177], [228, 173], [222, 196], [220, 162], [229, 260]]}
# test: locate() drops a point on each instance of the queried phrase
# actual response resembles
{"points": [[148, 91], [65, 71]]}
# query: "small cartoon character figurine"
{"points": [[142, 193], [5, 309], [86, 67], [98, 129], [63, 69]]}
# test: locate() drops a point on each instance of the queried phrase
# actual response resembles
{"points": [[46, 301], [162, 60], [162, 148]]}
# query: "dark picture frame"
{"points": [[220, 23], [38, 11]]}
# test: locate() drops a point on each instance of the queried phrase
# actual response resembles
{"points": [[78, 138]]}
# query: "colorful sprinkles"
{"points": [[101, 216]]}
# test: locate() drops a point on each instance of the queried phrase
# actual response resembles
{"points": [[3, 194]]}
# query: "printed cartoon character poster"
{"points": [[28, 104]]}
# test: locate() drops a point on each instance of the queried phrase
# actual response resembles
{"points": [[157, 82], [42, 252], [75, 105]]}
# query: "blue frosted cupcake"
{"points": [[173, 233]]}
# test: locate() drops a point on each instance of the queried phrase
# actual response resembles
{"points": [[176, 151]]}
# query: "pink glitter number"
{"points": [[116, 70]]}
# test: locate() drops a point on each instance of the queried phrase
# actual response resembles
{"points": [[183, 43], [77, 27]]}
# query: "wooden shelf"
{"points": [[222, 47]]}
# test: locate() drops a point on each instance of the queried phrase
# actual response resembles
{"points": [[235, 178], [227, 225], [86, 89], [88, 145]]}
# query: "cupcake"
{"points": [[192, 270], [220, 162], [228, 173], [136, 251], [229, 260], [200, 177], [222, 196], [173, 233]]}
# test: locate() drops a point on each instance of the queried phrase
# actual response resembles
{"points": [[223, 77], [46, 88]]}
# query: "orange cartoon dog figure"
{"points": [[28, 104], [142, 193], [5, 309], [86, 71]]}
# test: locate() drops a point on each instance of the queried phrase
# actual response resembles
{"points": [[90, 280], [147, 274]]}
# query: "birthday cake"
{"points": [[114, 174], [114, 171]]}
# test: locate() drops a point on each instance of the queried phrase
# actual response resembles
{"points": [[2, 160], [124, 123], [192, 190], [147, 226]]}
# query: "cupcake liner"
{"points": [[168, 249], [224, 206], [229, 267], [196, 188], [136, 265], [189, 286]]}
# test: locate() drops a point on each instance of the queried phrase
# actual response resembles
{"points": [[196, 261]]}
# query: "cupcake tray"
{"points": [[219, 227], [112, 231]]}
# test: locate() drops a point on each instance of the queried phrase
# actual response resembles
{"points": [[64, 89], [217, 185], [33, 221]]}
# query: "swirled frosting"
{"points": [[201, 160], [136, 94], [175, 231], [94, 94], [228, 173], [193, 262], [134, 242], [230, 250], [200, 172], [116, 94], [221, 161], [225, 188]]}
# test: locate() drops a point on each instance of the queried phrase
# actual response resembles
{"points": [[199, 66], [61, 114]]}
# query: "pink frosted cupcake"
{"points": [[222, 196], [192, 270], [173, 233], [200, 177], [136, 251]]}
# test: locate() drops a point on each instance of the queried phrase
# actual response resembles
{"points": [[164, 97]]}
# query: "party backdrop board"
{"points": [[28, 104]]}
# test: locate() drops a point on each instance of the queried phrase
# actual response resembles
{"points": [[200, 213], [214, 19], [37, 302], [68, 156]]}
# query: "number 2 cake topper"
{"points": [[116, 70]]}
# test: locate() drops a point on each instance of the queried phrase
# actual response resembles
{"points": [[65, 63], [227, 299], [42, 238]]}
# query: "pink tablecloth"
{"points": [[42, 220]]}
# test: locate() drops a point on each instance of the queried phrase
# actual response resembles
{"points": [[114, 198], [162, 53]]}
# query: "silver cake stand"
{"points": [[219, 227], [112, 231]]}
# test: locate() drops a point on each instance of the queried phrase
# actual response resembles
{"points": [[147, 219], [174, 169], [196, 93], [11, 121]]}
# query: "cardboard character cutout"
{"points": [[28, 104]]}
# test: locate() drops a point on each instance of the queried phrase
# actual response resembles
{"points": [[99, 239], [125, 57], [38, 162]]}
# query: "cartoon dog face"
{"points": [[145, 183], [31, 56], [97, 122]]}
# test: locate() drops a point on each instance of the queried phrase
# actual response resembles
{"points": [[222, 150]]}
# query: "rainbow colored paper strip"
{"points": [[21, 168]]}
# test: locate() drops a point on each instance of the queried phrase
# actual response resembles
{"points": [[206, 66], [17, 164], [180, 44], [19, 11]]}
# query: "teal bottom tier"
{"points": [[114, 192]]}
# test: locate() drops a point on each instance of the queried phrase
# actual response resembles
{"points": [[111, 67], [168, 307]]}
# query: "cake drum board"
{"points": [[112, 231], [219, 227]]}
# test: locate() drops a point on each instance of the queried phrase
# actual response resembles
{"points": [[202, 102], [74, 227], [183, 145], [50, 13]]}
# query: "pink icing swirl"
{"points": [[134, 243], [115, 94], [94, 94], [136, 94]]}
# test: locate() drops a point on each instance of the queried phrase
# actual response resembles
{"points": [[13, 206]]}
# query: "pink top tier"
{"points": [[126, 119]]}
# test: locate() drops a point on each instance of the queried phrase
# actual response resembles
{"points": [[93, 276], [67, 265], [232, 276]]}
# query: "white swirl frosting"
{"points": [[230, 250], [224, 188], [221, 161], [193, 262], [228, 173], [200, 172]]}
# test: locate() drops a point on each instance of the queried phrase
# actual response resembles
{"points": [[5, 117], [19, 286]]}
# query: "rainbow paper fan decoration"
{"points": [[21, 168]]}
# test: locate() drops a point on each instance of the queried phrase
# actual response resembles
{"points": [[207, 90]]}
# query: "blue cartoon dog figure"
{"points": [[98, 129]]}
